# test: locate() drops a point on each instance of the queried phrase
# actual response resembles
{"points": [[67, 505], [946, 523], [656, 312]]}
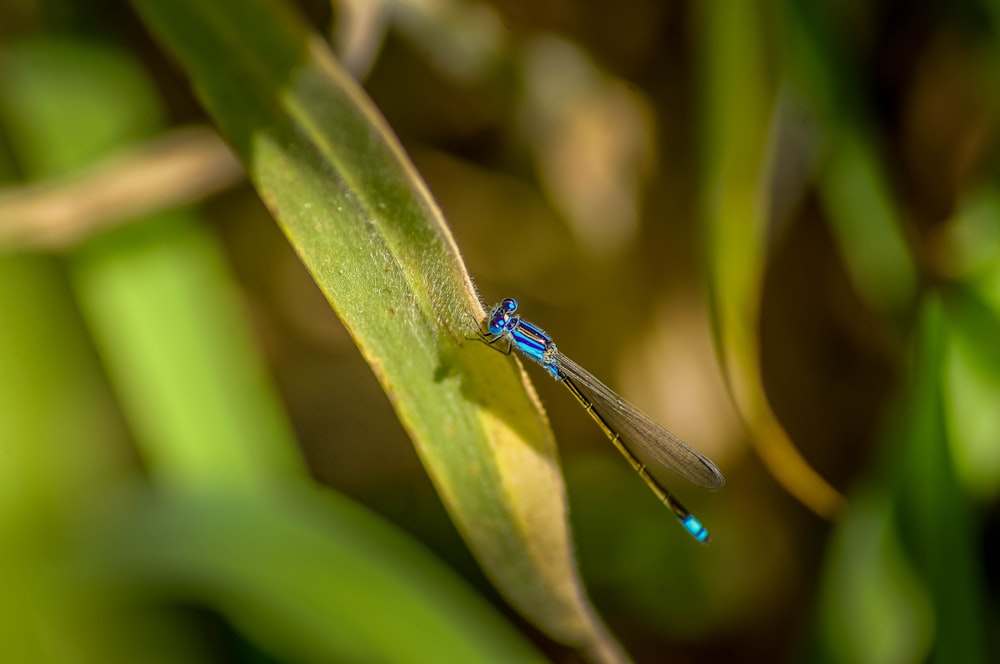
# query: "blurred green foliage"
{"points": [[809, 184]]}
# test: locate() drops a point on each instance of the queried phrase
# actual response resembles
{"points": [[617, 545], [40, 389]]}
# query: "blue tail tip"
{"points": [[698, 531]]}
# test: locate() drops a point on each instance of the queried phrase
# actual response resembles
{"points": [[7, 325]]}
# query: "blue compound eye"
{"points": [[498, 323], [509, 305]]}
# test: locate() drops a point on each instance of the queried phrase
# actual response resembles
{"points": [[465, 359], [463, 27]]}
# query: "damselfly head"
{"points": [[500, 319]]}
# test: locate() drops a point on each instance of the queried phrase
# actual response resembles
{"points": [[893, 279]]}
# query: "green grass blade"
{"points": [[854, 184], [905, 576], [363, 224], [936, 511], [738, 233], [305, 574], [60, 437], [164, 312], [228, 517]]}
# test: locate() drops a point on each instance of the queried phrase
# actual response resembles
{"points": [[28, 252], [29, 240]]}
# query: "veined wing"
{"points": [[640, 433]]}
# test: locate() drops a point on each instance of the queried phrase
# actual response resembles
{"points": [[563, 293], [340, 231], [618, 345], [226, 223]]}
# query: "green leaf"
{"points": [[227, 524], [854, 185], [905, 560], [165, 316], [866, 222], [62, 442], [305, 574], [936, 513], [874, 606], [738, 233], [364, 225], [972, 371]]}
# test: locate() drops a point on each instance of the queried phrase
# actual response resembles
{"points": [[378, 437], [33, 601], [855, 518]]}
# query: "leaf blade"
{"points": [[346, 196]]}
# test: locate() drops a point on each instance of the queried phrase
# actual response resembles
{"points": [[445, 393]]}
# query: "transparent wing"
{"points": [[640, 433]]}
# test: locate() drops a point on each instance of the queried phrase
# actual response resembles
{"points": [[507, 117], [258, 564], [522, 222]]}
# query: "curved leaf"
{"points": [[738, 234], [364, 225]]}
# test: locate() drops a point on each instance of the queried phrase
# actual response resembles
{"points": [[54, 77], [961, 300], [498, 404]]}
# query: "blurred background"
{"points": [[773, 229]]}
